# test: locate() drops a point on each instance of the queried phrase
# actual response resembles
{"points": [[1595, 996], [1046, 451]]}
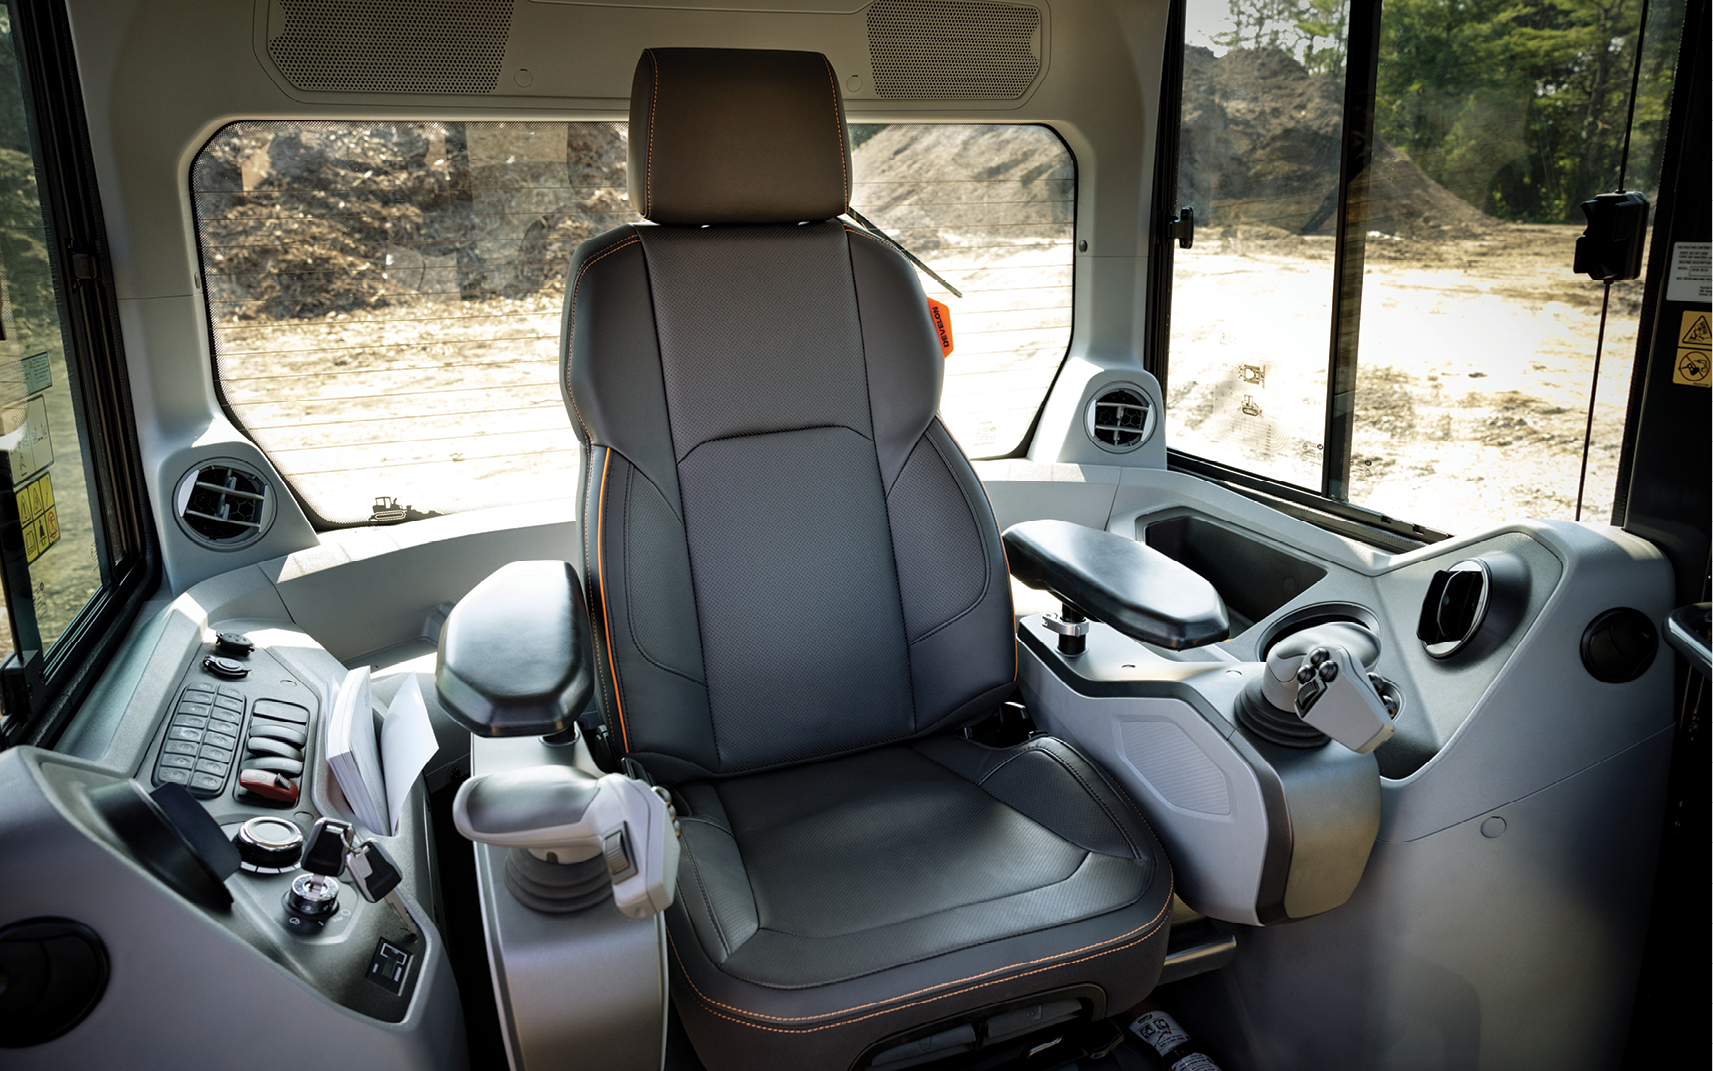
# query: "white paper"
{"points": [[407, 743], [354, 753], [1691, 277]]}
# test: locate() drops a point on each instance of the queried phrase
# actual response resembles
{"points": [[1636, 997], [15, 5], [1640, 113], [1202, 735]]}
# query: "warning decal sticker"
{"points": [[1694, 365], [38, 517]]}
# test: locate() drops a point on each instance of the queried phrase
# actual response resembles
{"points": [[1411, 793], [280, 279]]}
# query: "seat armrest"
{"points": [[514, 656], [1107, 577]]}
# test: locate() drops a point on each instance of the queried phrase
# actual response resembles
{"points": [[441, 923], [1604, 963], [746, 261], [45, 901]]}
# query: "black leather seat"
{"points": [[798, 594]]}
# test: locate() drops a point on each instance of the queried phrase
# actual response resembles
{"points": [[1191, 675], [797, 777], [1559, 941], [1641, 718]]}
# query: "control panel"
{"points": [[241, 736]]}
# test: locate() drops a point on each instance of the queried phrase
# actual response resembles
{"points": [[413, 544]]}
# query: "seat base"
{"points": [[825, 907]]}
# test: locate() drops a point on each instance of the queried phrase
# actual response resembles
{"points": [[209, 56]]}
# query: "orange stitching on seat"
{"points": [[839, 131], [912, 1004], [606, 618], [1150, 927], [653, 114], [1012, 602], [571, 331]]}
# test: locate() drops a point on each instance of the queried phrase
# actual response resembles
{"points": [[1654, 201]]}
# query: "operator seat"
{"points": [[798, 596]]}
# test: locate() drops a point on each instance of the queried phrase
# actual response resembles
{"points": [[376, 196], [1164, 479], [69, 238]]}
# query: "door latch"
{"points": [[1183, 227]]}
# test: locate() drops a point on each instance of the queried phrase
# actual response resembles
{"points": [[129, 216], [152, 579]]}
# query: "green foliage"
{"points": [[1516, 106], [1312, 32]]}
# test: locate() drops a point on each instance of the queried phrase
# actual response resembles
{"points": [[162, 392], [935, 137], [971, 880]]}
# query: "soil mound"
{"points": [[1259, 149]]}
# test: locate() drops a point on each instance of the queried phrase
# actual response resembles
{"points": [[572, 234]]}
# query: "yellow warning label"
{"points": [[1694, 364], [37, 517], [1696, 331]]}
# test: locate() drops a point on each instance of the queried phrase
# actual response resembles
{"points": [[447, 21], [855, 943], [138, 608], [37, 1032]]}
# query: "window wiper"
{"points": [[896, 244]]}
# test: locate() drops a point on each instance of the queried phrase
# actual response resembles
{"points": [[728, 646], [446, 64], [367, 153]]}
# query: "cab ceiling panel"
{"points": [[974, 53]]}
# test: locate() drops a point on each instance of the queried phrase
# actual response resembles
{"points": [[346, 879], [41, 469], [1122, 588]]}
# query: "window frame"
{"points": [[39, 707]]}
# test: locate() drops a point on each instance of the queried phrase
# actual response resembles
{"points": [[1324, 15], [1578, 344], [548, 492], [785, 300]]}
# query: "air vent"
{"points": [[953, 50], [1121, 419], [390, 46], [224, 505]]}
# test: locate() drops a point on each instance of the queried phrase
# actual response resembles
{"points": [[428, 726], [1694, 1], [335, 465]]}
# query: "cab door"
{"points": [[1374, 313]]}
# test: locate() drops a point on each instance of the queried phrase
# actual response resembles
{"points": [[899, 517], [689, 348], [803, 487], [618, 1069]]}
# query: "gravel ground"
{"points": [[1475, 364]]}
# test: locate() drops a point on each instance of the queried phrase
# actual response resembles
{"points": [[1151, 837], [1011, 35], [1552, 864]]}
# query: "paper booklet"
{"points": [[377, 774]]}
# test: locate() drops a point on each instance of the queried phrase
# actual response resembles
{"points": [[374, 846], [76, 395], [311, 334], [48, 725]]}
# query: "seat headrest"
{"points": [[737, 135]]}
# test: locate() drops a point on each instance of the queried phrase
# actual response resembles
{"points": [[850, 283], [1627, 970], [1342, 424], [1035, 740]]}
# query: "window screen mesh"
{"points": [[385, 297]]}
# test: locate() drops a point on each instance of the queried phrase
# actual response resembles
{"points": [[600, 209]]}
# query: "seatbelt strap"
{"points": [[894, 243]]}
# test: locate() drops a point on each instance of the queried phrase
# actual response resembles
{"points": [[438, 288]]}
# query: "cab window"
{"points": [[384, 297], [1379, 308]]}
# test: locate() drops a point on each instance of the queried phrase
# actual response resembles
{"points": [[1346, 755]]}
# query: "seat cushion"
{"points": [[823, 907]]}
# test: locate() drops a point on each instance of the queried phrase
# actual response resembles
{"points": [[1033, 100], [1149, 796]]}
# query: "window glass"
{"points": [[993, 209], [1475, 340], [385, 297], [1252, 298], [40, 430]]}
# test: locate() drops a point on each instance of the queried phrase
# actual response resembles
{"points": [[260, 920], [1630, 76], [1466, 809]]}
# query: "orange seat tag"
{"points": [[942, 318]]}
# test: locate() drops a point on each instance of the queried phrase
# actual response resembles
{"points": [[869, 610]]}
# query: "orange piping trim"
{"points": [[601, 574]]}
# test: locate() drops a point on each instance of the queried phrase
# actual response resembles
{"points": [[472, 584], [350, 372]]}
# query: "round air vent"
{"points": [[1121, 419], [224, 504]]}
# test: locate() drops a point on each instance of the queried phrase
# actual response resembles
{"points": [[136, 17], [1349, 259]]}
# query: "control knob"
{"points": [[269, 844]]}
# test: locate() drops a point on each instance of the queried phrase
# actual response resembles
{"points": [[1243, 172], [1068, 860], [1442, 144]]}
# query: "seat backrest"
{"points": [[787, 556]]}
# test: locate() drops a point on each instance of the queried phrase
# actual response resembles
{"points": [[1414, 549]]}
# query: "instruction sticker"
{"points": [[38, 517], [942, 318], [38, 374], [1691, 277], [1694, 367]]}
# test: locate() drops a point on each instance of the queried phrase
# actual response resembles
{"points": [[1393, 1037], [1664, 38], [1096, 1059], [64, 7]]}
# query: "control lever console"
{"points": [[563, 815], [1335, 696]]}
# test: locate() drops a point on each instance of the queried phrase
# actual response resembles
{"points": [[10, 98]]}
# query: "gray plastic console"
{"points": [[578, 990], [1256, 833]]}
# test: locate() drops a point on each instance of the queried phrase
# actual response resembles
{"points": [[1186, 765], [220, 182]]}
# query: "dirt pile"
{"points": [[1259, 153], [302, 219]]}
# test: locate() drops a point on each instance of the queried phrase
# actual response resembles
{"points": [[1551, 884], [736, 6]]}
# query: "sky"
{"points": [[1202, 19]]}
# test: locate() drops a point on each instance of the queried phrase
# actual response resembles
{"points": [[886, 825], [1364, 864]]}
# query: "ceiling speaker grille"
{"points": [[392, 46], [952, 49], [1120, 420]]}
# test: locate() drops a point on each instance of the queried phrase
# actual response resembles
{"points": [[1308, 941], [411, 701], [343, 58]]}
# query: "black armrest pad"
{"points": [[514, 656], [1132, 587]]}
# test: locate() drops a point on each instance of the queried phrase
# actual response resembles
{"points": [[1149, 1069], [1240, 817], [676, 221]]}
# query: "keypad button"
{"points": [[228, 702], [216, 754], [227, 717], [230, 693], [172, 774], [287, 712], [181, 761], [189, 721], [221, 739], [179, 747], [207, 766], [288, 734], [199, 709], [179, 732], [263, 746], [205, 785], [197, 695], [274, 764]]}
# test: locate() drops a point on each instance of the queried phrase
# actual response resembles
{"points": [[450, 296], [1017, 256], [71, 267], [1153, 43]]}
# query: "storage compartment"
{"points": [[1254, 578]]}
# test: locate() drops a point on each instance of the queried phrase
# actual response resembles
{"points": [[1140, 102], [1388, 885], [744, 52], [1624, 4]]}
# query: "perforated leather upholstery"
{"points": [[797, 588]]}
